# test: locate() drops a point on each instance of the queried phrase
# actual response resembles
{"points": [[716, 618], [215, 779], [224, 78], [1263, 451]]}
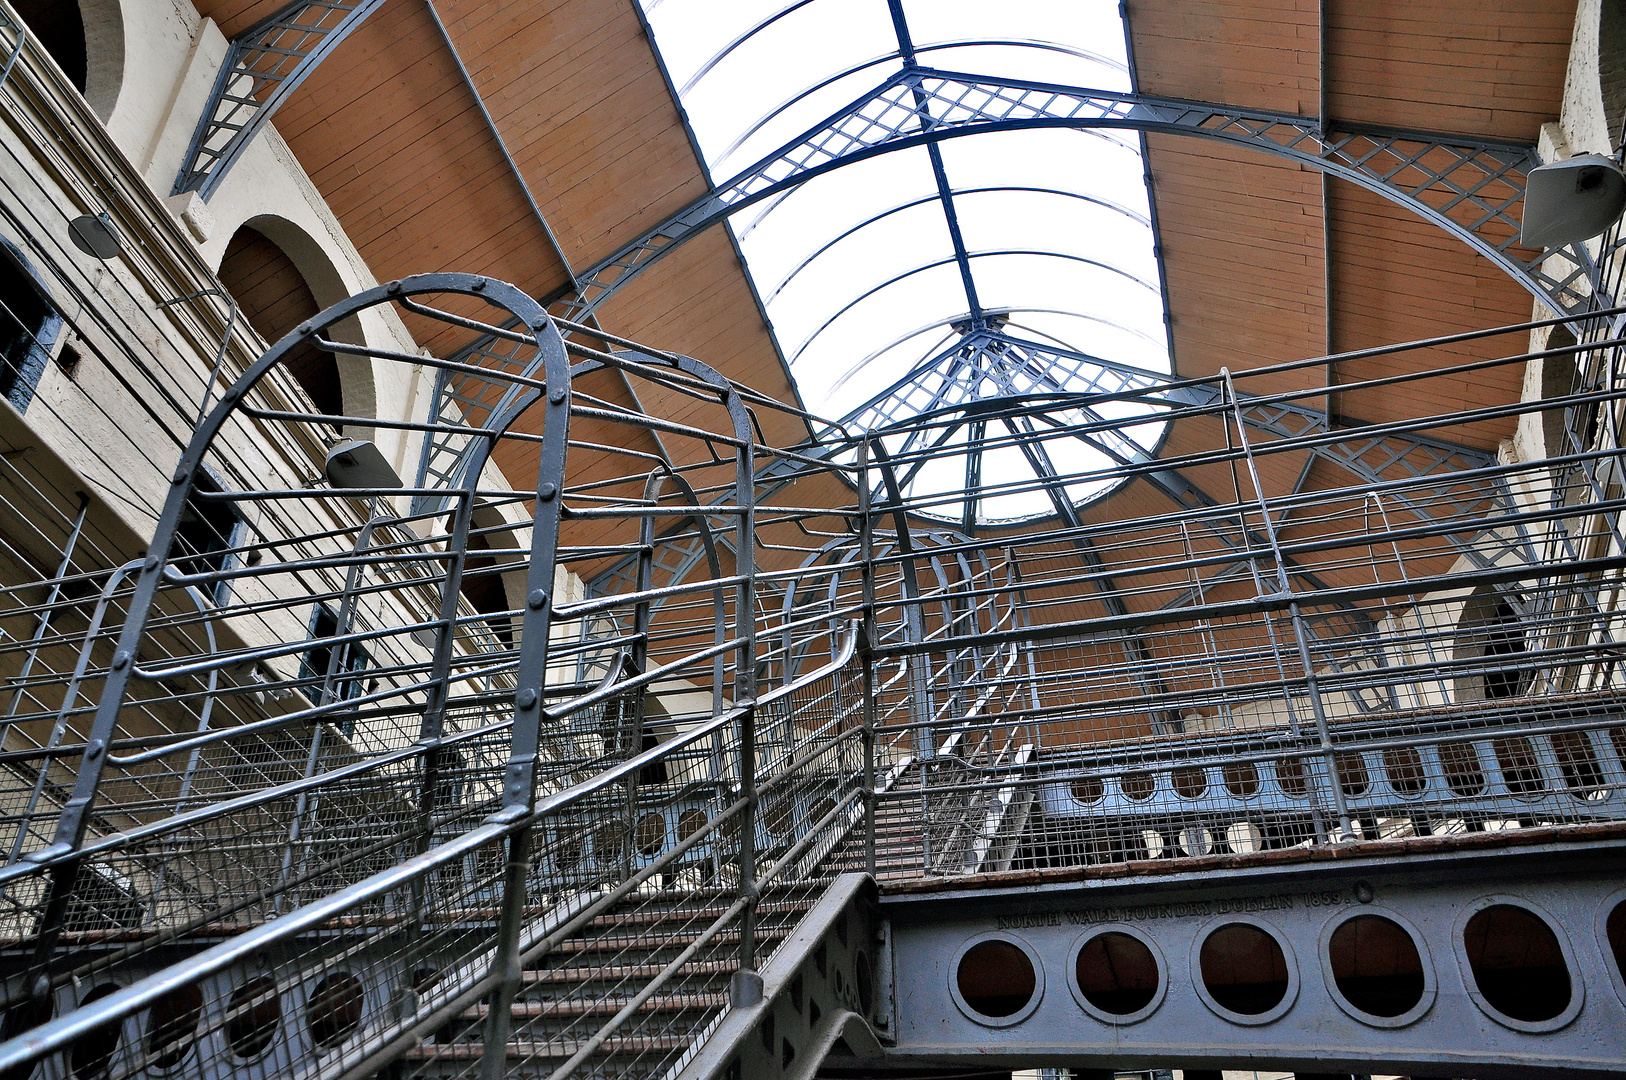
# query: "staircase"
{"points": [[569, 997]]}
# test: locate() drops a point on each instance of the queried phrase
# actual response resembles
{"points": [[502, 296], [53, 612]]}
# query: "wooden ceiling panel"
{"points": [[576, 91], [395, 142], [1259, 53], [675, 305], [1449, 65], [1242, 249], [1398, 278]]}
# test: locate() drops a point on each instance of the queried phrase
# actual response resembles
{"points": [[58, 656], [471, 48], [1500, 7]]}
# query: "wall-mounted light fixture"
{"points": [[94, 235], [1572, 200], [357, 463]]}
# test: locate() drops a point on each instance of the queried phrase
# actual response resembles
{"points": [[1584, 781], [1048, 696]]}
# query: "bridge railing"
{"points": [[1340, 632]]}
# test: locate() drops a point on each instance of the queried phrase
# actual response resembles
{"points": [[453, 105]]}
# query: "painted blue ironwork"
{"points": [[264, 65]]}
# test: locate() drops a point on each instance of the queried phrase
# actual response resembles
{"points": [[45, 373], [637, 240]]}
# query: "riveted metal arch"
{"points": [[155, 570], [152, 572], [264, 65], [888, 118]]}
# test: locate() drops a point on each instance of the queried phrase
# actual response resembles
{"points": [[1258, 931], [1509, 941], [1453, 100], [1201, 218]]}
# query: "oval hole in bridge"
{"points": [[651, 833], [1463, 773], [1583, 776], [1615, 931], [334, 1008], [1241, 779], [1521, 768], [253, 1016], [778, 817], [1376, 966], [1352, 774], [1517, 963], [862, 983], [1292, 778], [1243, 969], [1116, 973], [690, 822], [1190, 783], [1087, 789], [1403, 767], [996, 978], [93, 1051], [172, 1027], [1139, 786]]}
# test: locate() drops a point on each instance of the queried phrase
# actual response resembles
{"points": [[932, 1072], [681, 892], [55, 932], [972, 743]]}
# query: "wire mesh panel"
{"points": [[1335, 634], [343, 773]]}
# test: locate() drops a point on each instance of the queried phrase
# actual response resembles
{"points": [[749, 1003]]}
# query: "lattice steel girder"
{"points": [[263, 66], [1471, 187]]}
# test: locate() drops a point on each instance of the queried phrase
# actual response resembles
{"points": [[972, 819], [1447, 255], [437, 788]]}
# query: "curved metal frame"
{"points": [[974, 103], [925, 199], [519, 779], [953, 259]]}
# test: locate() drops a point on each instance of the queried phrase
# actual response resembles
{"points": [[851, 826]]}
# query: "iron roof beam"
{"points": [[1471, 187]]}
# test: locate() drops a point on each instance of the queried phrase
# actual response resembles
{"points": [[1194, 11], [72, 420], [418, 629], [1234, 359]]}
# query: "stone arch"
{"points": [[86, 39], [1491, 636], [104, 55], [280, 276]]}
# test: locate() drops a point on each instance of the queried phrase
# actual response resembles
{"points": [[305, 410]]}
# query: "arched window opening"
{"points": [[273, 297], [60, 27], [482, 587], [1491, 637], [29, 326]]}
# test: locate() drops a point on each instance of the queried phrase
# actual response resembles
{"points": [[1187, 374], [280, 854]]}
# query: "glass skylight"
{"points": [[858, 268]]}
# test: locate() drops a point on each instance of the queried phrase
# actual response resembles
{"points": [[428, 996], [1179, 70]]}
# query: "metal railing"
{"points": [[243, 835]]}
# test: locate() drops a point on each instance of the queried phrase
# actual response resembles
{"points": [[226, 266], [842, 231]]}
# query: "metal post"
{"points": [[866, 570], [1340, 806], [21, 679], [634, 720], [308, 803]]}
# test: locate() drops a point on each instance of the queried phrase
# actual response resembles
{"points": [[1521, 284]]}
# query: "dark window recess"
{"points": [[1504, 643], [101, 903], [208, 529], [61, 29], [317, 663], [482, 587], [67, 359], [273, 297], [29, 325]]}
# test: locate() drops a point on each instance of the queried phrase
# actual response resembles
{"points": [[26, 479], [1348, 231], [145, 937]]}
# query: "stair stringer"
{"points": [[819, 990]]}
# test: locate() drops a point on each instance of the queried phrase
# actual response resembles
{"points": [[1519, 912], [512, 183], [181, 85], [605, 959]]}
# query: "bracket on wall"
{"points": [[263, 67]]}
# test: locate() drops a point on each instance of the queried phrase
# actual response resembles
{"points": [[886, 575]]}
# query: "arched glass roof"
{"points": [[896, 285]]}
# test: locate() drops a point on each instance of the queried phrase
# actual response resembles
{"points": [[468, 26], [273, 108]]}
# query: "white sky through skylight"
{"points": [[856, 267]]}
